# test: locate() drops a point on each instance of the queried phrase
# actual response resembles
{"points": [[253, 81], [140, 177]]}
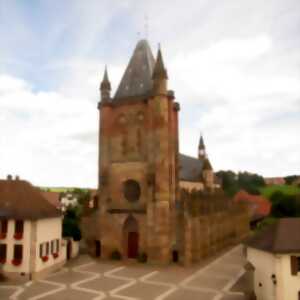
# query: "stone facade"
{"points": [[140, 209]]}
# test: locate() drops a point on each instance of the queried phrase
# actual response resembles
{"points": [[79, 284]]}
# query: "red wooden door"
{"points": [[133, 244]]}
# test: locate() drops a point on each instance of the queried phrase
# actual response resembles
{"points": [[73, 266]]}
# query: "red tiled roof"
{"points": [[52, 198], [259, 206], [274, 180], [19, 199]]}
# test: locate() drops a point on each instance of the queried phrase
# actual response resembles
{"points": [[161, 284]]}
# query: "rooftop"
{"points": [[20, 200], [137, 79], [280, 238], [190, 168]]}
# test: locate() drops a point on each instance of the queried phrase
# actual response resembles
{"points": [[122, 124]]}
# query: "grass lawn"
{"points": [[57, 189], [286, 189]]}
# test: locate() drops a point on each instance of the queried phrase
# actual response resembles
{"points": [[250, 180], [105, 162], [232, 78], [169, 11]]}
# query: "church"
{"points": [[145, 185]]}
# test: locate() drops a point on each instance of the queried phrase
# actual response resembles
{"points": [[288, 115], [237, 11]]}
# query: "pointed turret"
{"points": [[105, 87], [159, 71], [160, 75], [201, 148]]}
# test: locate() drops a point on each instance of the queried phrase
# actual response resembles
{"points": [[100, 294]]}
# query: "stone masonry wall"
{"points": [[211, 223]]}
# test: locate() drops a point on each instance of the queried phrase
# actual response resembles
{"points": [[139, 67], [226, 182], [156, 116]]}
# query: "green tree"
{"points": [[284, 205], [290, 179], [71, 224]]}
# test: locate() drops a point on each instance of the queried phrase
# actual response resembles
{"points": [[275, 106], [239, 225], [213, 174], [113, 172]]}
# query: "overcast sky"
{"points": [[234, 66]]}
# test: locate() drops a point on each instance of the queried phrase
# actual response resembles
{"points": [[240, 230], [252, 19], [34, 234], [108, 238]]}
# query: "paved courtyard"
{"points": [[87, 279]]}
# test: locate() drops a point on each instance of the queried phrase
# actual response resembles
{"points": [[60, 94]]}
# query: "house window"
{"points": [[57, 245], [44, 249], [3, 229], [19, 227], [41, 250], [3, 250], [3, 226], [18, 252], [295, 265], [47, 248], [52, 247]]}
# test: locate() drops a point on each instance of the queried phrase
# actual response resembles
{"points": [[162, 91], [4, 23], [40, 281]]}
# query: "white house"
{"points": [[275, 257], [30, 232]]}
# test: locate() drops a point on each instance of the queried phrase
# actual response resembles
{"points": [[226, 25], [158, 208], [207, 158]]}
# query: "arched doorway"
{"points": [[131, 237], [97, 248], [69, 249]]}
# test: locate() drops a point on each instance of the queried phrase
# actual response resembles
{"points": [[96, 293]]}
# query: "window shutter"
{"points": [[4, 224], [57, 245], [294, 265], [47, 248], [2, 251], [18, 252]]}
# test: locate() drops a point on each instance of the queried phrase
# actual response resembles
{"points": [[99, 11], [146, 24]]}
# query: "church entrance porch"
{"points": [[131, 237]]}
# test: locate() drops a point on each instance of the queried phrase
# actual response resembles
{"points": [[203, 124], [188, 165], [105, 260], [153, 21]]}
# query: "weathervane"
{"points": [[146, 26]]}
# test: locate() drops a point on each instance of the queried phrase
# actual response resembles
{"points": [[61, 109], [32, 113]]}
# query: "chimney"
{"points": [[17, 177], [9, 177]]}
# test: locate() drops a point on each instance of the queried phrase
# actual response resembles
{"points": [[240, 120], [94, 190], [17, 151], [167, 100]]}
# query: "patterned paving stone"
{"points": [[190, 295], [80, 260], [70, 295], [204, 281], [36, 288], [172, 275], [134, 271], [5, 292], [86, 278], [234, 297], [97, 267], [225, 269], [68, 277], [102, 284], [144, 291]]}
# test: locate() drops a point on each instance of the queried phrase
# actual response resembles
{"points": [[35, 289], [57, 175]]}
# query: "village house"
{"points": [[274, 255], [30, 232]]}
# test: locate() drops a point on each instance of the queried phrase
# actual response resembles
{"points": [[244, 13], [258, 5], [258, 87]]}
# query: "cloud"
{"points": [[38, 141], [234, 66]]}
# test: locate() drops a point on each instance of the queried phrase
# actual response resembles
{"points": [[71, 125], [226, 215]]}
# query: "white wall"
{"points": [[265, 265], [10, 241], [48, 230], [288, 284], [190, 185]]}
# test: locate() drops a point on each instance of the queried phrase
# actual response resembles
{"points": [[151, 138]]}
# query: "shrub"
{"points": [[116, 255], [142, 257]]}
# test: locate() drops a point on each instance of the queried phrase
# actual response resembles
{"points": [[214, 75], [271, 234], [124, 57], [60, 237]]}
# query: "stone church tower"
{"points": [[138, 160]]}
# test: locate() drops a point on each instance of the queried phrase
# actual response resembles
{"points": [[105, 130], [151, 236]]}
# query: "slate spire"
{"points": [[201, 142], [201, 148], [105, 84], [105, 87], [137, 79], [160, 71]]}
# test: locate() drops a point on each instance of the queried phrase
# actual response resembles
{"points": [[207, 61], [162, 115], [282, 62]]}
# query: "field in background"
{"points": [[286, 189]]}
